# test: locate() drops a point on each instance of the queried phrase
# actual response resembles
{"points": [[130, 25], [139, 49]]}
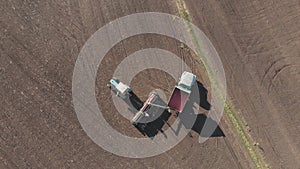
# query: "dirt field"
{"points": [[258, 42]]}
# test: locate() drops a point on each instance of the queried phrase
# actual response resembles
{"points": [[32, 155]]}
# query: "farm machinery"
{"points": [[122, 90], [182, 91], [177, 101]]}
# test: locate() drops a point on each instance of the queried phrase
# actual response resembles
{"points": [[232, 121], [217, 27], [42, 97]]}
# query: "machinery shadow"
{"points": [[199, 124], [152, 128], [188, 116], [203, 96], [134, 101]]}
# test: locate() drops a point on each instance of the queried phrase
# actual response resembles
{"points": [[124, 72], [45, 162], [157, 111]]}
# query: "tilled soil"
{"points": [[258, 42]]}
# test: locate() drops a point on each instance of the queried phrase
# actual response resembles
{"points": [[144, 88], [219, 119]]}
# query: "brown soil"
{"points": [[258, 42]]}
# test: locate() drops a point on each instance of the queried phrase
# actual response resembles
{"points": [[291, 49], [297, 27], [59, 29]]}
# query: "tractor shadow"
{"points": [[134, 102], [200, 123], [203, 96]]}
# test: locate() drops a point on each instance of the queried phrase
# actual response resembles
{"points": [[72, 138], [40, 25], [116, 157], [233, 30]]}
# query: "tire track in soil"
{"points": [[68, 35], [276, 33], [277, 71], [272, 72], [157, 86], [233, 154]]}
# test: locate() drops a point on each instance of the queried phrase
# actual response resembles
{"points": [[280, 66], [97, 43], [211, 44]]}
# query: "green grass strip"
{"points": [[231, 114]]}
